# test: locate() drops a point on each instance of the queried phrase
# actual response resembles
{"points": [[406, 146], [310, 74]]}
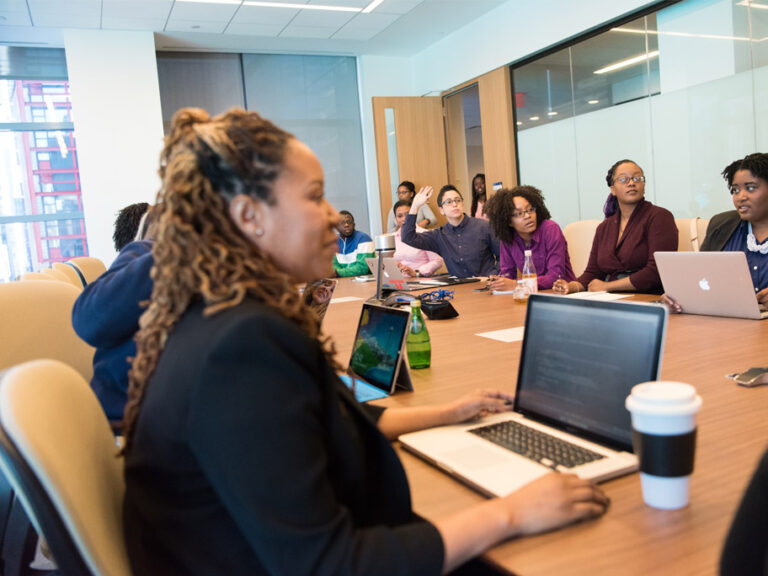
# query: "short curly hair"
{"points": [[127, 224], [756, 163], [501, 206]]}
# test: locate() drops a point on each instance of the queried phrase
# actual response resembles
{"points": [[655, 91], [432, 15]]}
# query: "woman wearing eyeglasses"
{"points": [[621, 259], [521, 222], [466, 244]]}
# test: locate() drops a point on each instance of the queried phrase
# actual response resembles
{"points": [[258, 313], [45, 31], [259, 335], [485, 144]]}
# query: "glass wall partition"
{"points": [[678, 91]]}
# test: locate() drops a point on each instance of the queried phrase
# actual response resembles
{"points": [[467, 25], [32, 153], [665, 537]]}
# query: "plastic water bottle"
{"points": [[418, 346], [528, 276]]}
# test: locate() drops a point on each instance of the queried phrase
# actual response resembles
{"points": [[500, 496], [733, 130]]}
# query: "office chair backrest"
{"points": [[35, 276], [37, 323], [691, 233], [59, 453], [579, 236], [71, 273], [91, 267], [55, 274]]}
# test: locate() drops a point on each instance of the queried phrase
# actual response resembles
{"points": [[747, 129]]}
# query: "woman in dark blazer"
{"points": [[621, 259], [245, 453]]}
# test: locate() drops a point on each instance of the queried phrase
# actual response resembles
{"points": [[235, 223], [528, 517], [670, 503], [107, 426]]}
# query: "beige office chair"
{"points": [[35, 276], [91, 267], [579, 236], [691, 233], [37, 323], [58, 452], [72, 274], [55, 274]]}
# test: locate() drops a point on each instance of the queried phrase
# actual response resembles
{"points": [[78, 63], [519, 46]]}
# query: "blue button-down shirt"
{"points": [[758, 263], [469, 249]]}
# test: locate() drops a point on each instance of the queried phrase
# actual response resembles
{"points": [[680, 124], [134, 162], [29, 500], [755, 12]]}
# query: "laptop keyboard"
{"points": [[536, 445]]}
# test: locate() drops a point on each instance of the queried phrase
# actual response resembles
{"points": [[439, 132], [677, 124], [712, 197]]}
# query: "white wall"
{"points": [[118, 125]]}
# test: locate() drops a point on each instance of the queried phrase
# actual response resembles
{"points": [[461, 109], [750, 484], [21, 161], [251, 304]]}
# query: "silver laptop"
{"points": [[579, 360], [711, 283], [394, 279]]}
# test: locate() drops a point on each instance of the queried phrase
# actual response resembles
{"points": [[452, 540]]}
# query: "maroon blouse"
{"points": [[650, 229]]}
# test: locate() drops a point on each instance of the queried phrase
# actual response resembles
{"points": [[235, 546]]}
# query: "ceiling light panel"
{"points": [[58, 14]]}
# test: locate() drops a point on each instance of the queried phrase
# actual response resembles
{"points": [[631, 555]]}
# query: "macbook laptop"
{"points": [[394, 279], [710, 283], [378, 355], [579, 361]]}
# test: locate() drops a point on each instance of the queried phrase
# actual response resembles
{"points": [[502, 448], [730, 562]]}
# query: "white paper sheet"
{"points": [[601, 295], [507, 335]]}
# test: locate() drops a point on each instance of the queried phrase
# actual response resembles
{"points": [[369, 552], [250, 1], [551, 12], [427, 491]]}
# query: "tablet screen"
{"points": [[378, 345]]}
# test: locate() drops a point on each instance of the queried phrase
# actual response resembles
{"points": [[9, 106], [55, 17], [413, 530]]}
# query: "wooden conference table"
{"points": [[631, 538]]}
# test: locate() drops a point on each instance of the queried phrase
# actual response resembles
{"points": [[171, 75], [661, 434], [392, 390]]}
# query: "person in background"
{"points": [[244, 451], [466, 244], [621, 259], [106, 315], [478, 197], [745, 229], [412, 261], [128, 224], [520, 220], [354, 248], [425, 218]]}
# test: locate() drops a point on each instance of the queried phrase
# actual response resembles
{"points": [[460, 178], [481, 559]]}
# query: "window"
{"points": [[41, 211]]}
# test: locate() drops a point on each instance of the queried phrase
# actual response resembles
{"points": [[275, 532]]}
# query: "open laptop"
{"points": [[394, 279], [579, 361], [710, 283], [378, 354]]}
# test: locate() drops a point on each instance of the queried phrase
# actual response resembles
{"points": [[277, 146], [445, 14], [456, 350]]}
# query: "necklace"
{"points": [[752, 244]]}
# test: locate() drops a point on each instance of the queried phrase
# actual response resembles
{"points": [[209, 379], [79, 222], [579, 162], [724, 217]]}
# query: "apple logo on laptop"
{"points": [[704, 284]]}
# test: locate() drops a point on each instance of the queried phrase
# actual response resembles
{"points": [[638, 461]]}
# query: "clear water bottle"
{"points": [[418, 346], [528, 276]]}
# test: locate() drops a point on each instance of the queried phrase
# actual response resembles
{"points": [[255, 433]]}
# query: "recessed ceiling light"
{"points": [[628, 62], [293, 6], [519, 123], [593, 101], [195, 26], [372, 6], [533, 118], [553, 113]]}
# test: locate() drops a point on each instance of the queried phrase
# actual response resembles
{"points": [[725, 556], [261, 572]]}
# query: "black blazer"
{"points": [[720, 228], [251, 457]]}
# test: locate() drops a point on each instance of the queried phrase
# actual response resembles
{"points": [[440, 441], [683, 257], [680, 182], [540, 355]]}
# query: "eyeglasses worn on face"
{"points": [[522, 213], [454, 201], [626, 179]]}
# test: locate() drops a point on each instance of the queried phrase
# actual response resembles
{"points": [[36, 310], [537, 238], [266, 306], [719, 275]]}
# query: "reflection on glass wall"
{"points": [[678, 91], [465, 138], [316, 99]]}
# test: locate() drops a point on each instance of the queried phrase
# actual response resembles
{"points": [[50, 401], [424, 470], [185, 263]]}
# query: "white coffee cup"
{"points": [[664, 438]]}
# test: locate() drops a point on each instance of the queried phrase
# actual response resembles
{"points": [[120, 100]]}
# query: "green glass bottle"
{"points": [[418, 345]]}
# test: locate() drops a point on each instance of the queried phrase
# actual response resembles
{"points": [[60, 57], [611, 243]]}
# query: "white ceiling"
{"points": [[395, 27]]}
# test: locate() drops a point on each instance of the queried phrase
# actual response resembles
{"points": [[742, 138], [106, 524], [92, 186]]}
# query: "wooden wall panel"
{"points": [[498, 128], [421, 152]]}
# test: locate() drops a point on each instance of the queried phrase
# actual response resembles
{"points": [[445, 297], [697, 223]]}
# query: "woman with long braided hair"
{"points": [[245, 453]]}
